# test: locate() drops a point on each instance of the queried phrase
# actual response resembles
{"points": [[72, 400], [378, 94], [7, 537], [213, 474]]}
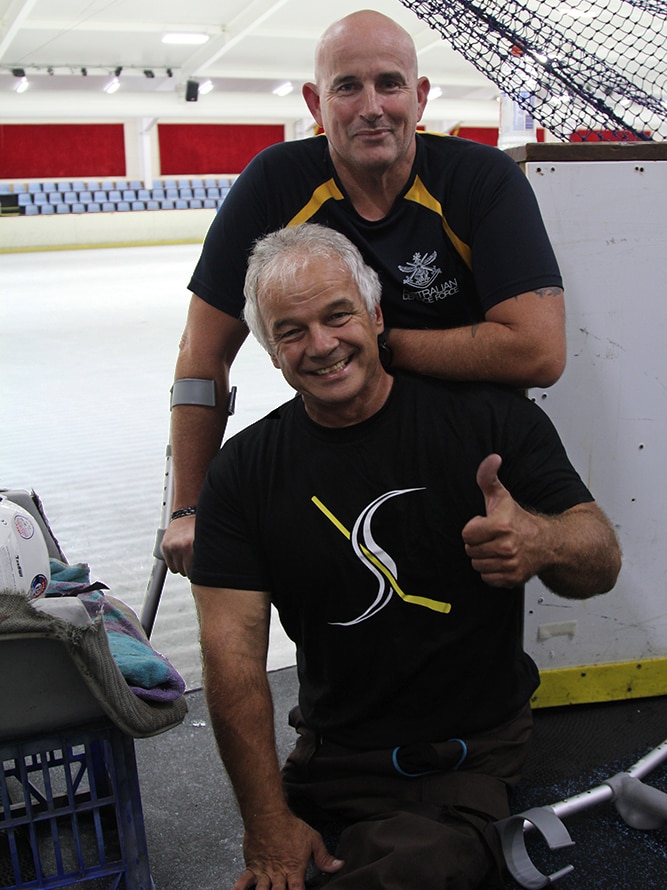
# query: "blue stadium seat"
{"points": [[213, 191], [64, 186], [157, 193], [196, 204], [210, 203], [93, 207], [24, 198], [138, 205], [31, 209], [123, 206], [210, 183], [199, 192], [129, 195], [55, 198], [34, 187], [167, 204], [180, 204], [40, 198], [185, 192], [143, 195], [107, 185], [120, 184], [170, 183], [158, 184], [171, 193], [183, 183], [152, 205], [108, 206], [85, 196], [71, 198], [4, 188], [100, 195], [92, 184], [78, 185], [197, 183], [78, 207], [49, 187], [48, 208], [115, 195], [136, 185], [19, 188], [62, 207]]}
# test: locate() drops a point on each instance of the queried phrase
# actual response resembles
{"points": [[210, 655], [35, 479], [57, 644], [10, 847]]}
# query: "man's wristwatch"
{"points": [[386, 355]]}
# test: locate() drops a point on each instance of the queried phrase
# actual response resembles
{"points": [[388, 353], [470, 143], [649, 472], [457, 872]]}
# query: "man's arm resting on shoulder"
{"points": [[574, 553], [209, 344], [234, 628], [521, 343]]}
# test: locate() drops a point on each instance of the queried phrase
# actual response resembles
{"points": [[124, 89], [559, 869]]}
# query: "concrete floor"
{"points": [[89, 341]]}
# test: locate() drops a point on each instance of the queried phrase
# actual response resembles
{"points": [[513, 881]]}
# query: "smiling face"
{"points": [[325, 342], [368, 98]]}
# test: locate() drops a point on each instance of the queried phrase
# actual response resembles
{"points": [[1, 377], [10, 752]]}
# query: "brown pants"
{"points": [[429, 831]]}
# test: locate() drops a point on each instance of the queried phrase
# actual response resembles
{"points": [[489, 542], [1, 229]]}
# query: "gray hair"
{"points": [[278, 258]]}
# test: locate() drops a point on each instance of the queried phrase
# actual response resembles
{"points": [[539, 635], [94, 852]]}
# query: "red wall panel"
{"points": [[487, 135], [213, 148], [45, 151]]}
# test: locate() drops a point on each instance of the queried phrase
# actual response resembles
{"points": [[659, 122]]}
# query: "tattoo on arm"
{"points": [[549, 291]]}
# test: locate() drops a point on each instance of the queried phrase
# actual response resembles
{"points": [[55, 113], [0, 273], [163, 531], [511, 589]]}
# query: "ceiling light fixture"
{"points": [[284, 89], [187, 38], [205, 87], [112, 86], [22, 85]]}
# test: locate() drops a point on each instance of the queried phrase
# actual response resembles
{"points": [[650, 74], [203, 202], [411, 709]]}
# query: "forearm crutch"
{"points": [[186, 391], [641, 806]]}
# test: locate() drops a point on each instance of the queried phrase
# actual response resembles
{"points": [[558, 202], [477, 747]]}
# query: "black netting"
{"points": [[591, 70]]}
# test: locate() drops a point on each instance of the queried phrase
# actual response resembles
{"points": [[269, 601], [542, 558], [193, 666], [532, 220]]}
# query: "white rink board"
{"points": [[606, 220]]}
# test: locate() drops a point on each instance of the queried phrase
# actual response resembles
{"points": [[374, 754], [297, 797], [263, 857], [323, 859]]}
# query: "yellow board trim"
{"points": [[601, 682], [321, 195], [434, 605], [421, 195]]}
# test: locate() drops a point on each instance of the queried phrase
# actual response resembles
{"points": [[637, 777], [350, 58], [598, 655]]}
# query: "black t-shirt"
{"points": [[356, 533], [464, 234]]}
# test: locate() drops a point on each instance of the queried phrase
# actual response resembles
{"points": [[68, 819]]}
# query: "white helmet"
{"points": [[24, 558]]}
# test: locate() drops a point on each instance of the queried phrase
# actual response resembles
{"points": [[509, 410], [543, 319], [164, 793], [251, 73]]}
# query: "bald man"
{"points": [[471, 289]]}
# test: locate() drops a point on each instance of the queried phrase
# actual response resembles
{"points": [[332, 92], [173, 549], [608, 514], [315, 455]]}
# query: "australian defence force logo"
{"points": [[421, 275]]}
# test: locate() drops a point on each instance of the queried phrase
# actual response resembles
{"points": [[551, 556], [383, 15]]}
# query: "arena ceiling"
{"points": [[70, 50]]}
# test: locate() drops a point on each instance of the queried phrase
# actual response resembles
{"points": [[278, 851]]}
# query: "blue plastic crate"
{"points": [[71, 812]]}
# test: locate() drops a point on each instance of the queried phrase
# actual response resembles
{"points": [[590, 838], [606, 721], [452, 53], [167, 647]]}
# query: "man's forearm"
{"points": [[196, 434], [241, 710], [521, 343], [584, 553]]}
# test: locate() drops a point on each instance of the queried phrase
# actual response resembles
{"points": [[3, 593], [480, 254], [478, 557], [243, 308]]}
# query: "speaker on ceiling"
{"points": [[191, 91]]}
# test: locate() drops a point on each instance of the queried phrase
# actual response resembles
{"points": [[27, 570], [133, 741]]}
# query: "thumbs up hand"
{"points": [[503, 544]]}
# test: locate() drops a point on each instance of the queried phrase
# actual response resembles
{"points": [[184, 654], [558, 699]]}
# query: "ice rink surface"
{"points": [[89, 341]]}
